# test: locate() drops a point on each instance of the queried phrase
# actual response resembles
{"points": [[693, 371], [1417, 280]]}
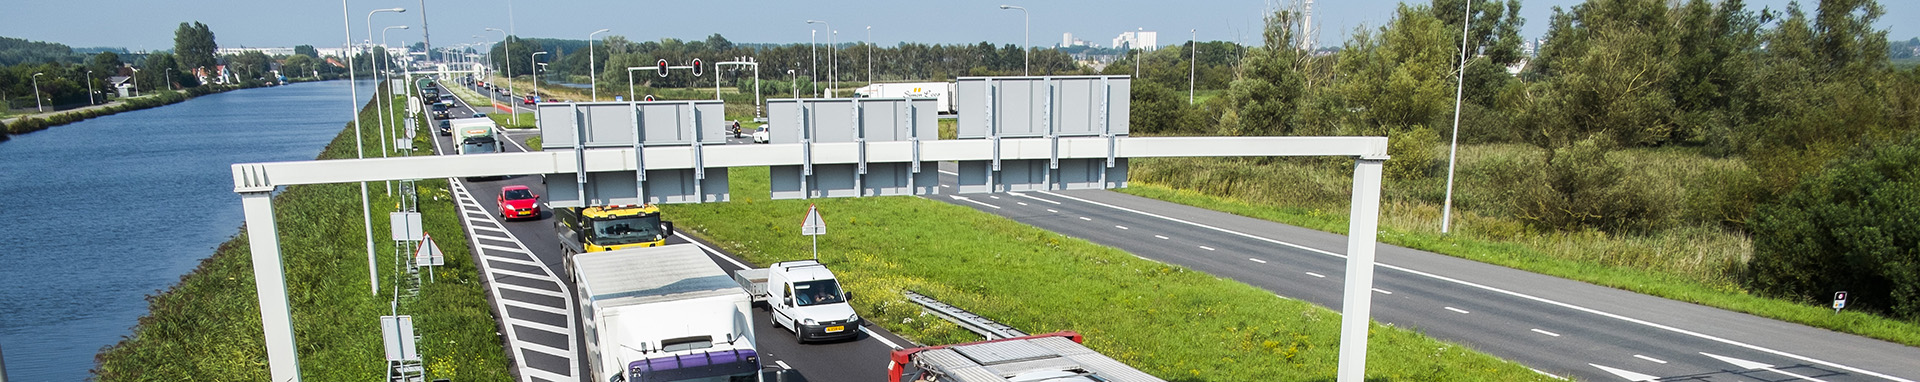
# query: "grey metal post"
{"points": [[270, 282], [359, 150], [592, 75], [1453, 149], [1357, 304]]}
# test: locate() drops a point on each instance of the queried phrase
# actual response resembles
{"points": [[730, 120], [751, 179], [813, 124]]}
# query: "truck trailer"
{"points": [[664, 314], [941, 92], [1052, 357]]}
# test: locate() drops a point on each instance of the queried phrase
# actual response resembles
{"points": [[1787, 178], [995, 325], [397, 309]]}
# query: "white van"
{"points": [[806, 298]]}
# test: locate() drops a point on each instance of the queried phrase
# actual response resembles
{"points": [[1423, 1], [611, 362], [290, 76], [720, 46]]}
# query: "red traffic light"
{"points": [[663, 68], [696, 67], [649, 98]]}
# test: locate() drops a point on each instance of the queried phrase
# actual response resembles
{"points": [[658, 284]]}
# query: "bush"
{"points": [[1582, 187], [1853, 227]]}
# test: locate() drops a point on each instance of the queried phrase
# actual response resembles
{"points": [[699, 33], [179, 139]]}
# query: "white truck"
{"points": [[664, 314], [805, 297], [941, 92], [475, 135], [1052, 357]]}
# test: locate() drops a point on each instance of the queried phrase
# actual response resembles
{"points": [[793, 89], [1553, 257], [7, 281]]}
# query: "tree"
{"points": [[193, 46], [250, 65], [105, 64], [309, 50], [1268, 94], [1855, 227], [298, 65]]}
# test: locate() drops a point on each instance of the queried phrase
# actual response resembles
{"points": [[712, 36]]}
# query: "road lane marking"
{"points": [[1051, 210], [882, 339], [1020, 203], [783, 364], [1316, 275], [1751, 365], [1161, 237], [994, 197], [1257, 260], [1627, 375], [1547, 374], [941, 171], [1086, 218], [1457, 310], [1510, 293], [1655, 360], [1381, 291], [1120, 227], [1032, 197], [716, 253], [1546, 332], [969, 200]]}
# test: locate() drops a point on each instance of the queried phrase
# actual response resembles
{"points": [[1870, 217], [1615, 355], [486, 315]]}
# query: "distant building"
{"points": [[268, 51], [1067, 40], [1148, 40], [123, 84]]}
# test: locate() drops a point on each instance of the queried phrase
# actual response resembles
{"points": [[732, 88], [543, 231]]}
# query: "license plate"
{"points": [[836, 329]]}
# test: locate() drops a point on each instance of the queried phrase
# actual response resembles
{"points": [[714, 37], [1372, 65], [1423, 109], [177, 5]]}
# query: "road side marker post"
{"points": [[1839, 301], [814, 227]]}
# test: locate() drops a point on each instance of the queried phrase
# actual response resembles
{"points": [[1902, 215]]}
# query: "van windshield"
{"points": [[817, 292]]}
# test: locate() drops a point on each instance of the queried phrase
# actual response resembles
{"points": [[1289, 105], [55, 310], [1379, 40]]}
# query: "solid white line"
{"points": [[1161, 237], [1382, 291], [485, 228], [783, 364], [941, 171], [1120, 227], [1648, 358], [508, 260], [712, 251], [1207, 248], [1546, 332], [1547, 374], [538, 307], [518, 288], [1512, 293], [500, 248], [1257, 260], [970, 200], [1031, 197], [1316, 275], [1086, 218], [883, 340], [1457, 310]]}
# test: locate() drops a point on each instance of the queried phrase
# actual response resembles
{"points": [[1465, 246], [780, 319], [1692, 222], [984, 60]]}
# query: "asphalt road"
{"points": [[1556, 326], [862, 359]]}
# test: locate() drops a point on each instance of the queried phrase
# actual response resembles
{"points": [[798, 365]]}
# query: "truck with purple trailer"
{"points": [[664, 314]]}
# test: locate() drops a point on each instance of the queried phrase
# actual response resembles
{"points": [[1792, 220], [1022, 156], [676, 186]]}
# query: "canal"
{"points": [[107, 211]]}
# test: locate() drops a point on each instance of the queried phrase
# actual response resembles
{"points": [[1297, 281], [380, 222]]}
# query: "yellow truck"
{"points": [[607, 228]]}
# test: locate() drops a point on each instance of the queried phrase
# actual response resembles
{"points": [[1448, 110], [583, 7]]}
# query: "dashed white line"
{"points": [[991, 196], [1121, 227], [949, 173], [783, 364], [1053, 211], [1208, 248], [1257, 260], [1020, 203], [1086, 218], [1655, 360], [1457, 310], [1546, 332], [1381, 291], [1161, 237], [1316, 275]]}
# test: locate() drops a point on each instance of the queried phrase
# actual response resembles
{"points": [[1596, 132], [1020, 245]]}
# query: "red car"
{"points": [[527, 101], [519, 202]]}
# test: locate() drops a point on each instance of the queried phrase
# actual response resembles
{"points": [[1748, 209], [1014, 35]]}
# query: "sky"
{"points": [[147, 24]]}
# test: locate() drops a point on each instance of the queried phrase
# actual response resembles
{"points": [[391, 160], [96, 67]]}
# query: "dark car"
{"points": [[446, 127]]}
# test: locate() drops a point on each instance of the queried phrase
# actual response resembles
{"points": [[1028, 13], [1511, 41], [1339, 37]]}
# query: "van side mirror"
{"points": [[787, 300]]}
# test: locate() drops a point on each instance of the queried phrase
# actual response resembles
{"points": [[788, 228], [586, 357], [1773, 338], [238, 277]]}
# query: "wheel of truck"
{"points": [[567, 260]]}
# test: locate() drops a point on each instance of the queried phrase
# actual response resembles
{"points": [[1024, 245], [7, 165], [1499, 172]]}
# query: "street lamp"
{"points": [[813, 71], [869, 55], [829, 54], [796, 83], [1193, 62], [90, 88], [1453, 148], [167, 82], [593, 78], [1027, 54], [1133, 46], [507, 49], [36, 94], [370, 36], [536, 83], [384, 59], [136, 81]]}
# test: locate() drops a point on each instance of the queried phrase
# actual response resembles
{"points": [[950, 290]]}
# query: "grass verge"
{"points": [[1175, 323], [507, 120], [479, 102], [1692, 264], [207, 327]]}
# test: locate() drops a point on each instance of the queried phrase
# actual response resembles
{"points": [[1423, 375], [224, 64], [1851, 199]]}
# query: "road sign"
{"points": [[1839, 300], [429, 254], [405, 226], [813, 225], [397, 334], [663, 68]]}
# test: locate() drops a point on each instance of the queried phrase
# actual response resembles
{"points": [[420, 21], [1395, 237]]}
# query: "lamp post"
{"points": [[37, 107], [593, 78], [1134, 46], [536, 81], [369, 24], [90, 88], [796, 83], [507, 49], [167, 81], [829, 55], [1193, 61], [833, 61], [869, 55], [1453, 149], [391, 130], [813, 71], [1026, 59], [136, 81]]}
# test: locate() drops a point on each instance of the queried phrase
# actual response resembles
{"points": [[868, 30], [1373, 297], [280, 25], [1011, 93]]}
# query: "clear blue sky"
{"points": [[147, 24]]}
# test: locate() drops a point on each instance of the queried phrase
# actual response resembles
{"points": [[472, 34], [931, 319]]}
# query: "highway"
{"points": [[532, 339], [1556, 326]]}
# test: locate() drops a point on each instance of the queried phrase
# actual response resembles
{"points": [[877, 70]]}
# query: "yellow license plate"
{"points": [[836, 329]]}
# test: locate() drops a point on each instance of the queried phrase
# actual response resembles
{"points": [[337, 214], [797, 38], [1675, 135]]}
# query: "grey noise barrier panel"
{"points": [[838, 137], [1049, 108], [641, 127]]}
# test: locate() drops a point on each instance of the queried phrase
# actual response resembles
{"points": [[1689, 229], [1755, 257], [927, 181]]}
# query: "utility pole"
{"points": [[427, 46], [1193, 61]]}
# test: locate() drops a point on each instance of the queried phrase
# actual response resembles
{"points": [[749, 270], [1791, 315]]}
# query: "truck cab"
{"points": [[805, 296], [608, 228], [476, 136]]}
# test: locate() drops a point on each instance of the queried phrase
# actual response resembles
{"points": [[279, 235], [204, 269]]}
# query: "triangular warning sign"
{"points": [[429, 254], [813, 225]]}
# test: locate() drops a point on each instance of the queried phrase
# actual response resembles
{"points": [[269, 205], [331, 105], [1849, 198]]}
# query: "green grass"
{"points": [[1170, 321], [506, 120], [207, 327], [1686, 262], [479, 102], [533, 144]]}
